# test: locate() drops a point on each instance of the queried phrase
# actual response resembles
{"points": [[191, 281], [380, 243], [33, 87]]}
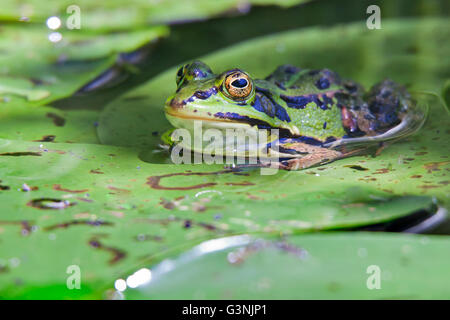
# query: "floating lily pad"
{"points": [[319, 266], [420, 160], [20, 121], [119, 213], [37, 69]]}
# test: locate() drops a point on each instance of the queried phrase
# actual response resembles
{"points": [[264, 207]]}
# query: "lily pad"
{"points": [[319, 266], [44, 66], [420, 160], [20, 121], [112, 209], [112, 212]]}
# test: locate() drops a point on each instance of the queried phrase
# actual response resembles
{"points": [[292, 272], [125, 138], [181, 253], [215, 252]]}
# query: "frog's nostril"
{"points": [[176, 104]]}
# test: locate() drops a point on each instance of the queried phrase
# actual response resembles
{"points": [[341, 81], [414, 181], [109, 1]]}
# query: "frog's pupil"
{"points": [[239, 83], [180, 72]]}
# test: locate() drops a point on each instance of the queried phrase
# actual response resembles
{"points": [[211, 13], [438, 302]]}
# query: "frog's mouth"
{"points": [[219, 120]]}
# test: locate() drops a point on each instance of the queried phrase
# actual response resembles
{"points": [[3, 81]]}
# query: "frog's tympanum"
{"points": [[320, 116]]}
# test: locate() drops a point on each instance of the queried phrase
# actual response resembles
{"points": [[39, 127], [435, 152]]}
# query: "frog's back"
{"points": [[309, 97], [325, 106], [304, 81]]}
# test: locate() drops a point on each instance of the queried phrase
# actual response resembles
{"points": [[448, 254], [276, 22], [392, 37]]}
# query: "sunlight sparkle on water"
{"points": [[53, 23], [140, 277], [55, 37], [120, 285]]}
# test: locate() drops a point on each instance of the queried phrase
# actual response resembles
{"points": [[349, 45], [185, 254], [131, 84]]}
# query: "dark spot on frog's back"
{"points": [[323, 83], [287, 68], [280, 85], [265, 103], [300, 102]]}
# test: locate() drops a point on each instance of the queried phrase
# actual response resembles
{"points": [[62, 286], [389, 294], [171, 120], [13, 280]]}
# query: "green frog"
{"points": [[317, 116]]}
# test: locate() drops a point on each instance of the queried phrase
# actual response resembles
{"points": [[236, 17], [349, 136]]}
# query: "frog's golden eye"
{"points": [[238, 85]]}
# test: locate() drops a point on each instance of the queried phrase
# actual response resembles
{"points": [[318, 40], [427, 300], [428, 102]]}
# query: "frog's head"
{"points": [[218, 100]]}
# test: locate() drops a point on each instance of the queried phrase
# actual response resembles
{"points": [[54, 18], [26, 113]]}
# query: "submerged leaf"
{"points": [[319, 266]]}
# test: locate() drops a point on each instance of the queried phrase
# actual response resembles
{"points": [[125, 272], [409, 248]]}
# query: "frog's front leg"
{"points": [[310, 160], [309, 156]]}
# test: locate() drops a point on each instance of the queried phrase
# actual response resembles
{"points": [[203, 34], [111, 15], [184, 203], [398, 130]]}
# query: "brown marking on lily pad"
{"points": [[207, 226], [155, 181], [188, 223], [4, 268], [96, 171], [50, 204], [57, 120], [117, 254], [253, 197], [356, 167], [434, 166], [421, 153], [239, 255], [445, 183], [167, 204], [57, 151], [243, 183], [27, 188], [58, 187], [416, 176], [26, 227], [65, 225], [163, 222], [367, 179], [149, 237], [428, 186], [118, 190], [3, 187], [48, 138], [21, 154], [381, 171], [290, 248]]}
